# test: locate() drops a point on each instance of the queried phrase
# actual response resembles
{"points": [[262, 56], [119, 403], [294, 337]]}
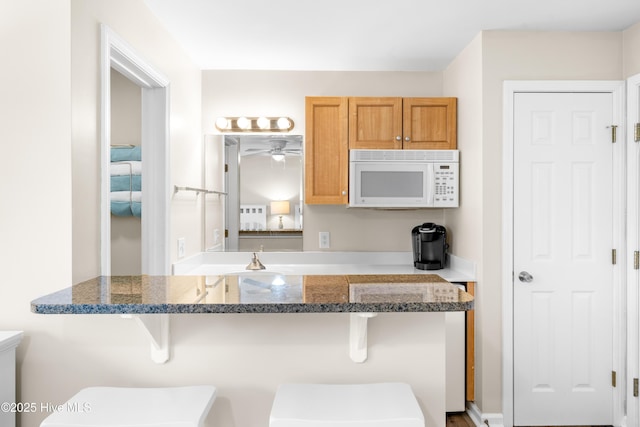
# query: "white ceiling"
{"points": [[365, 35]]}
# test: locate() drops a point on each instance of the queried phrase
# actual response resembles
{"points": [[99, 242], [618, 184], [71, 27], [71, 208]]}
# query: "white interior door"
{"points": [[562, 259]]}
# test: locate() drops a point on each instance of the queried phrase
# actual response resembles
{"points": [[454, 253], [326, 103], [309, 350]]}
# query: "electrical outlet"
{"points": [[181, 249], [324, 239]]}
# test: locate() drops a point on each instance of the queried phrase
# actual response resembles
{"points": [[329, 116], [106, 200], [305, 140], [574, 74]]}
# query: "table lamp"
{"points": [[280, 207]]}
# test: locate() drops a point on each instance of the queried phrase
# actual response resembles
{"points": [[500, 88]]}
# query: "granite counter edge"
{"points": [[52, 308]]}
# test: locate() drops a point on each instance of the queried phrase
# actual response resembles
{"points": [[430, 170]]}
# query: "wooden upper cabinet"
{"points": [[430, 123], [326, 151], [375, 123]]}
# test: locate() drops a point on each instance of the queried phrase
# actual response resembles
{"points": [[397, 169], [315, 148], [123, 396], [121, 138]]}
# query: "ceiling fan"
{"points": [[277, 150]]}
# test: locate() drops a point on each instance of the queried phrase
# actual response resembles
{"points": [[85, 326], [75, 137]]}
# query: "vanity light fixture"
{"points": [[254, 124]]}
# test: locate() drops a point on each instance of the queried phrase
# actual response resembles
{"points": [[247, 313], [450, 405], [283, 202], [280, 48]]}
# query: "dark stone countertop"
{"points": [[256, 292]]}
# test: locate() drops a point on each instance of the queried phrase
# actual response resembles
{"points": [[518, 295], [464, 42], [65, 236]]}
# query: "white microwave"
{"points": [[403, 178]]}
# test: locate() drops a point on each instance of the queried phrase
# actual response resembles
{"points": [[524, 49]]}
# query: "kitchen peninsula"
{"points": [[153, 300]]}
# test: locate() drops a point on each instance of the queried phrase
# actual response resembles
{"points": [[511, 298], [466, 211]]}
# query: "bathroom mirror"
{"points": [[264, 186]]}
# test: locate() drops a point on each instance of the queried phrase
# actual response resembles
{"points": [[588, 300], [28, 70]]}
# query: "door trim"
{"points": [[510, 88], [633, 233], [119, 55]]}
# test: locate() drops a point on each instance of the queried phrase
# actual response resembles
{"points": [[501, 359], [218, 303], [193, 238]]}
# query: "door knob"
{"points": [[525, 277]]}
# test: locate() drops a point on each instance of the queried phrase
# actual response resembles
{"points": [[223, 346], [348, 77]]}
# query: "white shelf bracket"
{"points": [[358, 336], [156, 328]]}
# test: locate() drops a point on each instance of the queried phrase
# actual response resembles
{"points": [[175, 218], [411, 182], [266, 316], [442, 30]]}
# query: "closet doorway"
{"points": [[126, 182], [117, 55]]}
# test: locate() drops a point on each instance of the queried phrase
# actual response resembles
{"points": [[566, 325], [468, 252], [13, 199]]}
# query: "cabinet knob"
{"points": [[406, 138], [398, 138], [344, 193]]}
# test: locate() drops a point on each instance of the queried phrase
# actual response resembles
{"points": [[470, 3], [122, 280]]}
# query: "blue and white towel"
{"points": [[122, 153], [126, 181]]}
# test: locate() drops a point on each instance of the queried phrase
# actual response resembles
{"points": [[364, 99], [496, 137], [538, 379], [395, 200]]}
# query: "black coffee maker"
{"points": [[429, 246]]}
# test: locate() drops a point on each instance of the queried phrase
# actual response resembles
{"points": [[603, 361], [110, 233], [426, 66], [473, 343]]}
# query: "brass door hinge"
{"points": [[636, 260], [613, 378], [636, 132], [226, 233], [614, 129], [614, 256], [226, 167], [635, 387]]}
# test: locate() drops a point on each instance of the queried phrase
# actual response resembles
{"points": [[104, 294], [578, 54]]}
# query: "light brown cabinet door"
{"points": [[375, 123], [430, 123], [326, 151]]}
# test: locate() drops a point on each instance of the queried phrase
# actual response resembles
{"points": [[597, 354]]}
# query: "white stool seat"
{"points": [[357, 405], [135, 407]]}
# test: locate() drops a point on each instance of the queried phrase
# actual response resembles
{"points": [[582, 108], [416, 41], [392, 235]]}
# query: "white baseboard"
{"points": [[484, 420]]}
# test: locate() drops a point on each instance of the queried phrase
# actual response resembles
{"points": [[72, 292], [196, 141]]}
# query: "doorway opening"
{"points": [[116, 54]]}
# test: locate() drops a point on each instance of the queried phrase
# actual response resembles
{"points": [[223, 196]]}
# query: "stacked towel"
{"points": [[123, 153], [126, 181], [126, 168]]}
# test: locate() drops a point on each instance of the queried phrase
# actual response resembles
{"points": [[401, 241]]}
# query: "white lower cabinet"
{"points": [[9, 340], [455, 346]]}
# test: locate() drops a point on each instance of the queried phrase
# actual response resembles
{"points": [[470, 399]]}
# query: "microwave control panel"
{"points": [[446, 185]]}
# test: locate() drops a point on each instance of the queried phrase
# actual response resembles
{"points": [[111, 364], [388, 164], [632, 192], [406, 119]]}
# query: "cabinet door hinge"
{"points": [[636, 260], [614, 129], [614, 256], [613, 378], [635, 387], [636, 132]]}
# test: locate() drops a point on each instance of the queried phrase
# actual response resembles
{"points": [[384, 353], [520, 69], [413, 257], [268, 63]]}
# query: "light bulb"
{"points": [[284, 123], [243, 123], [222, 123], [263, 123], [278, 157]]}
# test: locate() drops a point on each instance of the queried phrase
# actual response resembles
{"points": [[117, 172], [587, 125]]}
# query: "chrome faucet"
{"points": [[255, 264]]}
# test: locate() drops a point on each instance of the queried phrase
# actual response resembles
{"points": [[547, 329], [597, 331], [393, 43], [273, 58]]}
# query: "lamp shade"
{"points": [[280, 207]]}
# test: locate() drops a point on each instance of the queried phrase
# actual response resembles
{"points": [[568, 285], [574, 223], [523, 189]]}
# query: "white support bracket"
{"points": [[156, 328], [358, 336]]}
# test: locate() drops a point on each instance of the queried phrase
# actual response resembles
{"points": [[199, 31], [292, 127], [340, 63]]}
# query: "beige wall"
{"points": [[273, 93], [35, 216], [631, 52], [463, 79], [50, 114], [132, 21]]}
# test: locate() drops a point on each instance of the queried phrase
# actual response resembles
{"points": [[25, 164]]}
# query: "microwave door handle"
{"points": [[431, 184]]}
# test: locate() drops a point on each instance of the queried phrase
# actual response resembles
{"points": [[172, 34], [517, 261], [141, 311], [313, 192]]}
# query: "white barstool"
{"points": [[356, 405], [133, 407]]}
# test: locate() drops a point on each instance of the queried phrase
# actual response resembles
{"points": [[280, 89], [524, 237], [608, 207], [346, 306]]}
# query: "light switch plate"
{"points": [[181, 248]]}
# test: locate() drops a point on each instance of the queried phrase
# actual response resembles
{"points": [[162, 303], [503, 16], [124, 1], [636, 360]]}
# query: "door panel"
{"points": [[563, 237]]}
